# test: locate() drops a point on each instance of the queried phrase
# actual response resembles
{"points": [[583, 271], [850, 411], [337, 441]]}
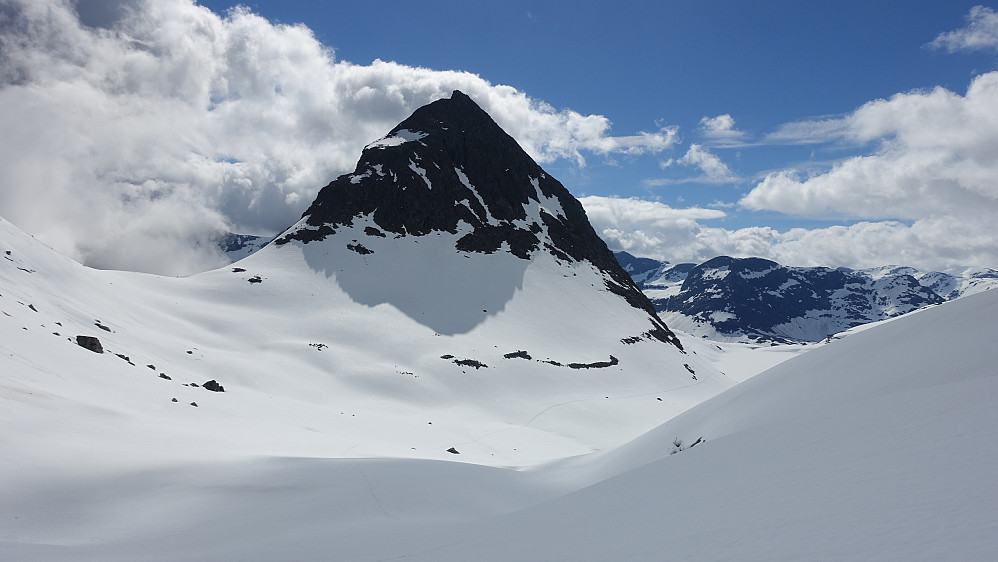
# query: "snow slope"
{"points": [[876, 446], [322, 351], [880, 446]]}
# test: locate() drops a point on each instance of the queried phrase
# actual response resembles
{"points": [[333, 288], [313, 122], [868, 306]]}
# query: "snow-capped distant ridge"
{"points": [[766, 301], [957, 282], [753, 299], [658, 280], [238, 246], [451, 173]]}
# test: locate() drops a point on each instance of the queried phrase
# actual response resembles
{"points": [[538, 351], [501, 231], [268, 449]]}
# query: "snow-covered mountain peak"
{"points": [[449, 185]]}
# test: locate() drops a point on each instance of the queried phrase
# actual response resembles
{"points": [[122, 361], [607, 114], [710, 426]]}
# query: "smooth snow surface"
{"points": [[330, 440]]}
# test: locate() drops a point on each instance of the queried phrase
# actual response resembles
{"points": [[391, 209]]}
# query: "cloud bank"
{"points": [[926, 195], [137, 130], [935, 169], [923, 193], [654, 229]]}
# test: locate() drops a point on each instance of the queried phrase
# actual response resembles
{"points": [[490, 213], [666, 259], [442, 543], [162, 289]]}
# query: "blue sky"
{"points": [[834, 133]]}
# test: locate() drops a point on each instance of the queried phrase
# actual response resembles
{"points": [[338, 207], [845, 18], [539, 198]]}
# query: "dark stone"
{"points": [[255, 279], [237, 270], [165, 376], [195, 404], [360, 249], [32, 307], [213, 386], [151, 366], [371, 231], [90, 342], [596, 365], [101, 326], [454, 451], [520, 354], [471, 363], [173, 400], [126, 358], [307, 235]]}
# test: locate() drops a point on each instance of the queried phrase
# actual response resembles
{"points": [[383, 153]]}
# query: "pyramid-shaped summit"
{"points": [[449, 168]]}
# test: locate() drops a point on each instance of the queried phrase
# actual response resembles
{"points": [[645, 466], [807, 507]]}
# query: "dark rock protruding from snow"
{"points": [[213, 386], [238, 246], [595, 365], [90, 342], [449, 167]]}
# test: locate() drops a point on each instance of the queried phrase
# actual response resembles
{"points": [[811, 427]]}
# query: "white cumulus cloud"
{"points": [[981, 33], [934, 166], [712, 169], [649, 228], [136, 130], [653, 229], [721, 131]]}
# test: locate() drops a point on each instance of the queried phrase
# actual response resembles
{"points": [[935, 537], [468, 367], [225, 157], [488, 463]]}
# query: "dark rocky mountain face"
{"points": [[238, 246], [763, 300], [450, 168]]}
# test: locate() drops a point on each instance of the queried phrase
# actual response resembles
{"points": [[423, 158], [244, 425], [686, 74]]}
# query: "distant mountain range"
{"points": [[753, 299]]}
